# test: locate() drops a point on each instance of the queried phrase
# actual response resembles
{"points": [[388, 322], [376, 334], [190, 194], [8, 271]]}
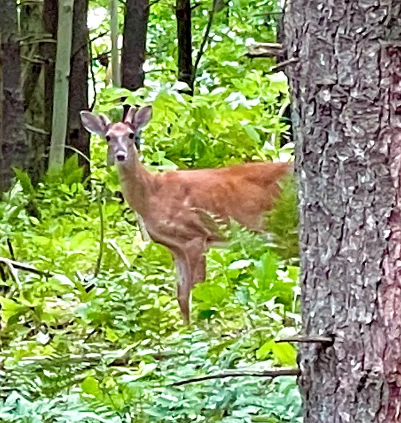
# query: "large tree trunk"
{"points": [[134, 44], [14, 147], [32, 26], [184, 35], [347, 126], [78, 138]]}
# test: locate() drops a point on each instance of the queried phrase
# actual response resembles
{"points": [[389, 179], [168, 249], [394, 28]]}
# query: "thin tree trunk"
{"points": [[32, 80], [115, 57], [78, 138], [184, 35], [14, 147], [288, 137], [48, 53], [134, 44], [61, 84], [347, 127]]}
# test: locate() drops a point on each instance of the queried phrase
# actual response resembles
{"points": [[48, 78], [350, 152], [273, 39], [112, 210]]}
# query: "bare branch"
{"points": [[205, 39], [25, 267], [13, 272], [34, 129], [113, 244], [308, 339], [152, 3], [93, 77], [241, 373], [265, 50], [89, 42], [10, 248], [282, 65]]}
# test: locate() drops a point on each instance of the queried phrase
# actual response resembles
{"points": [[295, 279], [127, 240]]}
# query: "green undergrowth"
{"points": [[102, 340], [96, 334]]}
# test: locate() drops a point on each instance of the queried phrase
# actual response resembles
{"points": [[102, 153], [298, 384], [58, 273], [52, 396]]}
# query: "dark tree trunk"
{"points": [[347, 125], [14, 147], [285, 137], [184, 34], [134, 44], [77, 137], [32, 25], [48, 53]]}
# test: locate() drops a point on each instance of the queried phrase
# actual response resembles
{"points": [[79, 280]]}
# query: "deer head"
{"points": [[123, 138]]}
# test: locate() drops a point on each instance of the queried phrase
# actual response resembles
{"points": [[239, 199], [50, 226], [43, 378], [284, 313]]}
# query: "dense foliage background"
{"points": [[97, 334]]}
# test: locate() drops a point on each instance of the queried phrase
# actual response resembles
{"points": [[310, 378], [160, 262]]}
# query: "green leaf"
{"points": [[210, 294], [25, 181], [90, 386], [285, 354]]}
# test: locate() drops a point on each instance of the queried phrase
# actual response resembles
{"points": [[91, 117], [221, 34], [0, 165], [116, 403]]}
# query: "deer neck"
{"points": [[136, 183]]}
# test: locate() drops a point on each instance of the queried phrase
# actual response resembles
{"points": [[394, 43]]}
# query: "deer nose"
{"points": [[121, 156]]}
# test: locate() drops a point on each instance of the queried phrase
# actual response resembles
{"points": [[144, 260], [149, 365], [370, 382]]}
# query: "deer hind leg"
{"points": [[200, 273], [191, 268], [184, 283]]}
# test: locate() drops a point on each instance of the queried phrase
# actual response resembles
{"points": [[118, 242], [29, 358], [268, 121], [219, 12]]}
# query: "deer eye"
{"points": [[131, 135], [107, 138]]}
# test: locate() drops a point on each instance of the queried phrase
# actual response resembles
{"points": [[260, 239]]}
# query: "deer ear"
{"points": [[130, 116], [93, 123], [143, 116]]}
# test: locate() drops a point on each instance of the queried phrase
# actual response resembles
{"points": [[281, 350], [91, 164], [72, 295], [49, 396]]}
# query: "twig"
{"points": [[118, 250], [204, 40], [37, 130], [284, 64], [75, 150], [36, 41], [160, 70], [12, 270], [33, 60], [265, 50], [99, 56], [93, 77], [308, 339], [196, 5], [152, 3], [241, 373], [88, 43], [26, 267], [10, 248], [101, 240]]}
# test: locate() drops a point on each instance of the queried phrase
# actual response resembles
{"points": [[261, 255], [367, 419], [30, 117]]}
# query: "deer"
{"points": [[182, 209]]}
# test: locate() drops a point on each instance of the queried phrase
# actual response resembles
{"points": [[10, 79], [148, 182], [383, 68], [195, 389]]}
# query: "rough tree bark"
{"points": [[77, 137], [31, 23], [347, 126], [48, 53], [14, 145], [134, 43], [184, 35]]}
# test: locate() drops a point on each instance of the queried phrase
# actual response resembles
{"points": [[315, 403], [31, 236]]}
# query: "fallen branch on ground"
{"points": [[241, 373], [25, 267]]}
